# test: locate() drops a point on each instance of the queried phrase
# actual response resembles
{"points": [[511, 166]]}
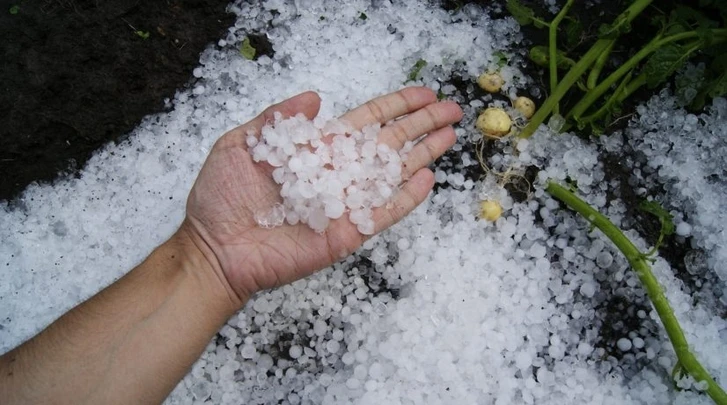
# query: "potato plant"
{"points": [[682, 35]]}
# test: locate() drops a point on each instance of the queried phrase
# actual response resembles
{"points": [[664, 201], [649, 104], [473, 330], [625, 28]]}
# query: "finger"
{"points": [[308, 103], [385, 108], [428, 150], [409, 197], [423, 121]]}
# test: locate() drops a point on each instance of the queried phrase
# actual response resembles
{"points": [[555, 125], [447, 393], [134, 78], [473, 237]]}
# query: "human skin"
{"points": [[135, 340]]}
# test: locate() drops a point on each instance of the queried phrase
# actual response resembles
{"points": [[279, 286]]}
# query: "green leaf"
{"points": [[718, 53], [673, 29], [663, 63], [14, 9], [499, 58], [246, 50], [363, 16], [540, 55], [691, 18], [665, 218], [414, 72], [715, 83], [718, 87], [573, 32], [523, 15], [659, 20]]}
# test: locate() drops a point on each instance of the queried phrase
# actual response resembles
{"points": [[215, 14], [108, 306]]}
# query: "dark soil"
{"points": [[77, 74]]}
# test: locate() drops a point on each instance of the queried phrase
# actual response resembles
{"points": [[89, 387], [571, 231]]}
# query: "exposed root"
{"points": [[510, 176]]}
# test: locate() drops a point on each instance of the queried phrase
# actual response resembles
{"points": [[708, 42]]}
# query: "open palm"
{"points": [[231, 188]]}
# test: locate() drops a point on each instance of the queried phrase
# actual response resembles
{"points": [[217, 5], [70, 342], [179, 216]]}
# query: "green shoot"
{"points": [[598, 66], [609, 108], [246, 50], [665, 219], [666, 59], [568, 81], [139, 33], [142, 34], [553, 48], [687, 361], [14, 9], [414, 72], [621, 23], [684, 33]]}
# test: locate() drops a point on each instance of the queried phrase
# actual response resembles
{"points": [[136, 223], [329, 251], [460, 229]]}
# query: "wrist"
{"points": [[198, 258]]}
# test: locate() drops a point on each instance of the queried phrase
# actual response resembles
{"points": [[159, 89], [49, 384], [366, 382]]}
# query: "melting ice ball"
{"points": [[326, 169]]}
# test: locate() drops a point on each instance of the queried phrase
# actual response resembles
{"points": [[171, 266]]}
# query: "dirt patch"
{"points": [[77, 74]]}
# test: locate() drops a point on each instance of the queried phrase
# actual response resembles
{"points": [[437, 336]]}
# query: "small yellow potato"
{"points": [[494, 123], [490, 210], [490, 82], [525, 105]]}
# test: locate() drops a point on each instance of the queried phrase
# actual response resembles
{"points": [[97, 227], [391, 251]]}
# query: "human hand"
{"points": [[231, 188]]}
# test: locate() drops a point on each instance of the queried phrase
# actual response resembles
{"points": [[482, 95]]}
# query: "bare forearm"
{"points": [[131, 343]]}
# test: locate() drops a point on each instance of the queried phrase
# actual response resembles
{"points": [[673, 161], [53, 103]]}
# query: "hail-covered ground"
{"points": [[443, 307]]}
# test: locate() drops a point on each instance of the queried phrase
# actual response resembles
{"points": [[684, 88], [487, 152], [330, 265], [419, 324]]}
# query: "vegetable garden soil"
{"points": [[77, 74]]}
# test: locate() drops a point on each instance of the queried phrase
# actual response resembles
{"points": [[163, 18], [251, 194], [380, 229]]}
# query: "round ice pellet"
{"points": [[604, 259], [684, 229], [624, 344], [295, 351], [332, 346]]}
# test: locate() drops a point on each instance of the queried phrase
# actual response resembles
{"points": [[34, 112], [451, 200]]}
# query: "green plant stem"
{"points": [[553, 48], [593, 95], [637, 260], [568, 81], [633, 85], [540, 22], [626, 89], [598, 66], [580, 68], [615, 99]]}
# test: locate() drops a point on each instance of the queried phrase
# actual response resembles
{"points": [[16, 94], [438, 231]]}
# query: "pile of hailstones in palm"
{"points": [[419, 314], [326, 169]]}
